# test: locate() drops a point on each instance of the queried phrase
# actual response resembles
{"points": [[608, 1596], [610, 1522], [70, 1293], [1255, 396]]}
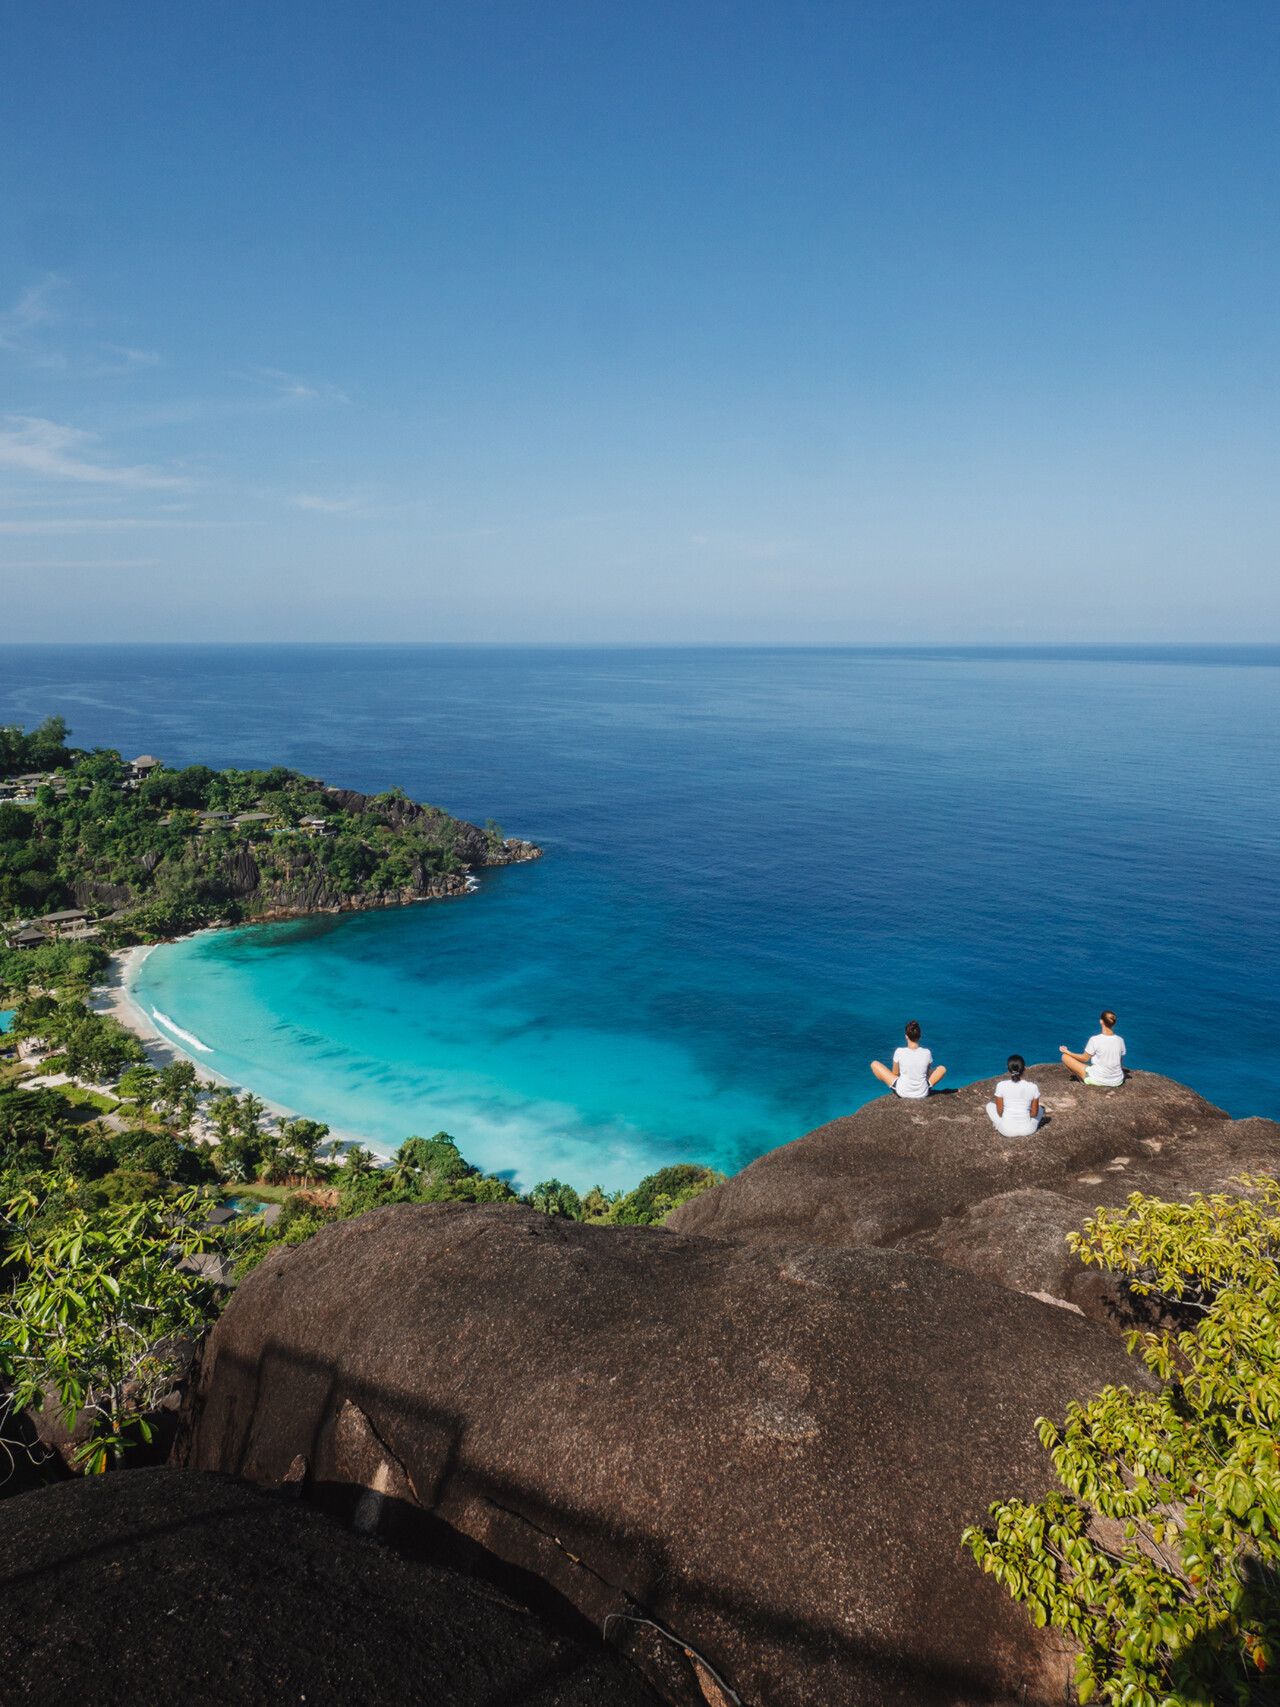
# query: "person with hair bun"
{"points": [[1015, 1112], [913, 1073], [1101, 1061]]}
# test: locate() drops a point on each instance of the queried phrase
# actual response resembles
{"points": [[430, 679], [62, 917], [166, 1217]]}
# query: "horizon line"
{"points": [[1255, 647]]}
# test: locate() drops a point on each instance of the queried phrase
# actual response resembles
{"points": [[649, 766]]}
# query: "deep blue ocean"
{"points": [[759, 864]]}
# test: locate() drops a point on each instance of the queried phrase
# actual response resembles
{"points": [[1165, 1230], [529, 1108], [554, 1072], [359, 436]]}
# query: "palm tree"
{"points": [[304, 1138], [357, 1162], [143, 1085], [405, 1174], [225, 1112], [271, 1163], [249, 1118]]}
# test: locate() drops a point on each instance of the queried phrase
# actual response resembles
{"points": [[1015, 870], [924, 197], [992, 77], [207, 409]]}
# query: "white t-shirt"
{"points": [[1106, 1054], [913, 1071], [1017, 1096]]}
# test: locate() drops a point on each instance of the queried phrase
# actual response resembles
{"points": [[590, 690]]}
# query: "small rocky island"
{"points": [[92, 844]]}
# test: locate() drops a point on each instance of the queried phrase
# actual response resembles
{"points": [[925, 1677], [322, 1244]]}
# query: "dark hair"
{"points": [[1107, 1017], [913, 1030], [1017, 1067]]}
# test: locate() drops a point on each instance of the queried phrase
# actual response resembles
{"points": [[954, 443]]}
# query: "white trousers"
{"points": [[1008, 1127]]}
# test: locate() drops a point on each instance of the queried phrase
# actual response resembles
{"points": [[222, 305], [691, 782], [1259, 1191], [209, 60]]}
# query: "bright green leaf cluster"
{"points": [[1162, 1556], [99, 1312]]}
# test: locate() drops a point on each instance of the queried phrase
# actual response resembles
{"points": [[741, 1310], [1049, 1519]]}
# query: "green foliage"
{"points": [[243, 1146], [96, 1314], [302, 1141], [181, 874], [124, 1185], [90, 1045], [45, 748], [553, 1197], [52, 966], [165, 789], [141, 1084], [439, 1156], [1162, 1557], [658, 1194], [16, 824], [599, 1205]]}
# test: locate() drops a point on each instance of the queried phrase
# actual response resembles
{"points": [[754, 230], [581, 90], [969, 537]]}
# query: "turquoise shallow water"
{"points": [[368, 1023], [759, 864]]}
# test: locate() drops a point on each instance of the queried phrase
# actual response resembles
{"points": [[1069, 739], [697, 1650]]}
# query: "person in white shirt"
{"points": [[1101, 1062], [913, 1073], [1015, 1113]]}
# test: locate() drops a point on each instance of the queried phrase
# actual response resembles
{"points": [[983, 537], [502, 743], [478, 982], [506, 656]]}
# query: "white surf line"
{"points": [[186, 1036]]}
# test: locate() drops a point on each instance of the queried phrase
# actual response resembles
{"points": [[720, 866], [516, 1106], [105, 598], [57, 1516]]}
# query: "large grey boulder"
{"points": [[153, 1587], [936, 1177], [767, 1454]]}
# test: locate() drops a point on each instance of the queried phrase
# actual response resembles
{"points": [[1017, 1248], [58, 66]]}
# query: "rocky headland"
{"points": [[133, 851]]}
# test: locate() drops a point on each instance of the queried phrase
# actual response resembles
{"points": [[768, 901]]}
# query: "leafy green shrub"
{"points": [[190, 787], [553, 1197], [44, 748], [299, 1220], [51, 965], [97, 1313], [439, 1156], [1162, 1557], [657, 1195]]}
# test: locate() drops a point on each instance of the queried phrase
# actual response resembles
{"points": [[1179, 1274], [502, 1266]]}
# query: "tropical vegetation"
{"points": [[1160, 1551], [107, 1181], [177, 849], [109, 1166]]}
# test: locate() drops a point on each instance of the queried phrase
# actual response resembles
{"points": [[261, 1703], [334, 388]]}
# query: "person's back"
{"points": [[913, 1073], [912, 1066], [1101, 1061], [1015, 1112], [1106, 1058]]}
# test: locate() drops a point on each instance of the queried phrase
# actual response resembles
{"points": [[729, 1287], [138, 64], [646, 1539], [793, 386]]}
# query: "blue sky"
{"points": [[640, 322]]}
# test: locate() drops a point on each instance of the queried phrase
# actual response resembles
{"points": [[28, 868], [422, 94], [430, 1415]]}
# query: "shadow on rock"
{"points": [[750, 1465]]}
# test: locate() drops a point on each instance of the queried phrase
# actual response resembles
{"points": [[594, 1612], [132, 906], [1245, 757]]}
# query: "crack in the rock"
{"points": [[641, 1615]]}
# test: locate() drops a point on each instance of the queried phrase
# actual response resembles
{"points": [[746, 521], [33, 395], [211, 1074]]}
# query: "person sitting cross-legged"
{"points": [[913, 1073], [1015, 1112], [1101, 1061]]}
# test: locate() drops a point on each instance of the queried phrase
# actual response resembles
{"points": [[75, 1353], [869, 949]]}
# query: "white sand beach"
{"points": [[113, 996]]}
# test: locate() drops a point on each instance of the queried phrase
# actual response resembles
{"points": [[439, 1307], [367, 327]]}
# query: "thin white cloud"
{"points": [[31, 311], [327, 506], [44, 448], [126, 360], [83, 524], [290, 388], [85, 563]]}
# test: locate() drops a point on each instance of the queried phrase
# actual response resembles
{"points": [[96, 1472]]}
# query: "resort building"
{"points": [[28, 937], [69, 919]]}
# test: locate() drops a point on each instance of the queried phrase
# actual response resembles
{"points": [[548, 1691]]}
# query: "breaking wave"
{"points": [[186, 1036]]}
